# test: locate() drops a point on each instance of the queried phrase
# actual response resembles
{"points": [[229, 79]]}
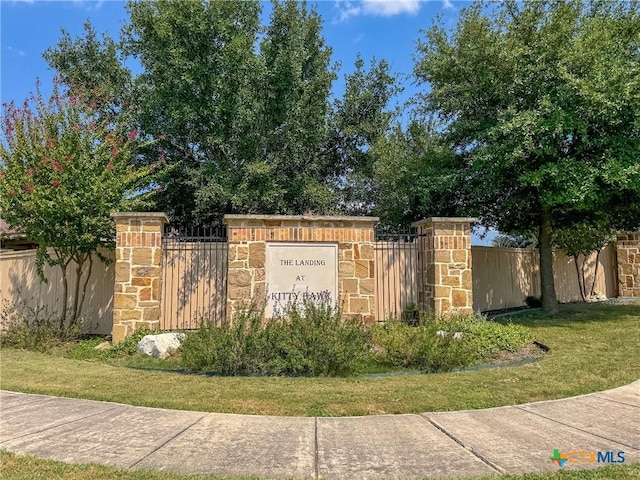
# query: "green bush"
{"points": [[487, 338], [34, 328], [85, 349], [316, 342], [420, 347], [446, 344]]}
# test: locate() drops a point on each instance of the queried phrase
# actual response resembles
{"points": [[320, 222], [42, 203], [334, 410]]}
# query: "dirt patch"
{"points": [[529, 351]]}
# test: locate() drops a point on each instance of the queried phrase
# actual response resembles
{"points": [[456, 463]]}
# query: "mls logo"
{"points": [[559, 458]]}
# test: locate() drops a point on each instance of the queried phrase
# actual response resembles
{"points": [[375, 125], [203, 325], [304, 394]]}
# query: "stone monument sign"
{"points": [[298, 272]]}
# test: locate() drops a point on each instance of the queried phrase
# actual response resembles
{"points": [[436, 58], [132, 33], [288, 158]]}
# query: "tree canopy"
{"points": [[540, 102], [243, 111]]}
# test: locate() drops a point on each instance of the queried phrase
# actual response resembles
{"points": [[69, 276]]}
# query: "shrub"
{"points": [[411, 315], [316, 342], [487, 338], [420, 347], [321, 342], [433, 346], [85, 349], [35, 328], [533, 302]]}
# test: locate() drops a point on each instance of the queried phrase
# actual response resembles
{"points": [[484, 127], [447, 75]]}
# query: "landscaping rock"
{"points": [[597, 297], [161, 345], [103, 346], [443, 333]]}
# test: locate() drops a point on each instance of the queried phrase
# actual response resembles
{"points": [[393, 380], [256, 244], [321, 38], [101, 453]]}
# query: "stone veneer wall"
{"points": [[136, 301], [249, 234], [445, 282], [628, 252]]}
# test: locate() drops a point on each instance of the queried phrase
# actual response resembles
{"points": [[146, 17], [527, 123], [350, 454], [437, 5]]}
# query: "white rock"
{"points": [[597, 297], [103, 346], [161, 345], [442, 333], [457, 335]]}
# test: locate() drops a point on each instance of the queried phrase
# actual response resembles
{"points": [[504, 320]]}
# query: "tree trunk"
{"points": [[581, 284], [76, 293], [595, 274], [549, 300], [83, 293], [65, 295]]}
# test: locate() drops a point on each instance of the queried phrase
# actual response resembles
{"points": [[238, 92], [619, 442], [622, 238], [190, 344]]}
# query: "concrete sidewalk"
{"points": [[512, 439]]}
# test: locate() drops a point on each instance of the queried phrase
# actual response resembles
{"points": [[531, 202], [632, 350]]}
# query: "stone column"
{"points": [[628, 253], [444, 265], [137, 290]]}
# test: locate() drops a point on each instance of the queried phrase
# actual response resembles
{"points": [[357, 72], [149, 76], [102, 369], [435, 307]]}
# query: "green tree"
{"points": [[94, 68], [293, 108], [416, 175], [63, 170], [242, 112], [579, 241], [197, 91], [541, 104], [361, 118]]}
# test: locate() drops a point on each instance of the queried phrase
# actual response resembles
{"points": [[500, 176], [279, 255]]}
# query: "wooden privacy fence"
{"points": [[504, 277], [20, 285]]}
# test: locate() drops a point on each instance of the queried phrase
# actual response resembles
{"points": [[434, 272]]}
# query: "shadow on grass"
{"points": [[574, 313]]}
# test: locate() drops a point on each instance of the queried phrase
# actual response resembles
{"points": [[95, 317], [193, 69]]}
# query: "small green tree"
{"points": [[63, 170], [584, 238]]}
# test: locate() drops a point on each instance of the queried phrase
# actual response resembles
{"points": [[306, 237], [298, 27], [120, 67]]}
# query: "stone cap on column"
{"points": [[432, 220], [298, 220], [160, 216]]}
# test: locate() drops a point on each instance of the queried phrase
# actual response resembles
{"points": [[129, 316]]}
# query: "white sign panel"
{"points": [[299, 272]]}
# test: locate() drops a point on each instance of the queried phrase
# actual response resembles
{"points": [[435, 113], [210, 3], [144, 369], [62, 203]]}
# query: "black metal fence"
{"points": [[396, 263], [194, 276]]}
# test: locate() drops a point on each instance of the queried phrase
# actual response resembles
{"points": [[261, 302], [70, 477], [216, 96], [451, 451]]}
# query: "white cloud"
{"points": [[386, 8], [380, 8], [89, 5], [15, 52], [346, 10]]}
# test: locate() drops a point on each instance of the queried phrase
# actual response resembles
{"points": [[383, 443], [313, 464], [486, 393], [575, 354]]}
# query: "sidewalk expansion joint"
{"points": [[468, 448], [616, 401], [168, 440], [51, 427], [315, 439], [577, 428]]}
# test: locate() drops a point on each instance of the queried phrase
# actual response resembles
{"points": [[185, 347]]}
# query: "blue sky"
{"points": [[384, 29]]}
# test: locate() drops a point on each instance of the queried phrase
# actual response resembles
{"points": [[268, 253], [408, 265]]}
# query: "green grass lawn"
{"points": [[17, 467], [593, 347]]}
